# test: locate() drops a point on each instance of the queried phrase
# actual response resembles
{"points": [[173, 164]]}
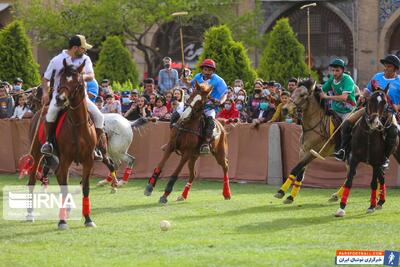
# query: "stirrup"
{"points": [[47, 148], [340, 155], [205, 149], [97, 155], [385, 164]]}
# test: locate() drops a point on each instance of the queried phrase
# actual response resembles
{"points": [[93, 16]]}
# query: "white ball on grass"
{"points": [[165, 225]]}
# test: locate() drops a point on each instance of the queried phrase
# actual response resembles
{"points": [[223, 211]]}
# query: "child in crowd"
{"points": [[111, 105], [285, 111], [99, 102], [229, 113], [160, 110], [22, 110]]}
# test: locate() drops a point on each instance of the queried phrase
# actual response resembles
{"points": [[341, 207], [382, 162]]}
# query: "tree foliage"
{"points": [[283, 56], [115, 62], [16, 59], [54, 21], [230, 56]]}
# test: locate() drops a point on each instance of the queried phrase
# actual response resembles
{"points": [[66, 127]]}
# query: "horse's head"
{"points": [[303, 92], [196, 102], [376, 106], [71, 89]]}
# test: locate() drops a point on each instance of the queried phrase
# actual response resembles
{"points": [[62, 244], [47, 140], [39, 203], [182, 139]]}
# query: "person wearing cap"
{"points": [[17, 86], [167, 77], [74, 55], [217, 97], [388, 77]]}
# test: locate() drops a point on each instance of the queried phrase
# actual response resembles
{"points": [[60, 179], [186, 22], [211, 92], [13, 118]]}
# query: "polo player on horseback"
{"points": [[341, 88], [217, 97], [74, 55], [389, 78]]}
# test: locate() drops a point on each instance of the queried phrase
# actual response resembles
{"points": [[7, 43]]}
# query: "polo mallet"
{"points": [[318, 154], [27, 161]]}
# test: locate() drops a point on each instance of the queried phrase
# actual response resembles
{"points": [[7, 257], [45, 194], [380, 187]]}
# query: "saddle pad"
{"points": [[42, 134]]}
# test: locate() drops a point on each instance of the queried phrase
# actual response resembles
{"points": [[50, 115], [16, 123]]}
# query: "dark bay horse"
{"points": [[315, 126], [367, 145], [185, 139], [76, 140]]}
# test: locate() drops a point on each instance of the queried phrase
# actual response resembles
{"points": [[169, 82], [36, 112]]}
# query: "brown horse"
{"points": [[185, 139], [75, 142]]}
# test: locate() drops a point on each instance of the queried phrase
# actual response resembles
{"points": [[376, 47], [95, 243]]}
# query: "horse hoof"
{"points": [[378, 207], [280, 194], [102, 183], [148, 190], [163, 200], [288, 200], [334, 198], [121, 183], [340, 213], [370, 210], [227, 197], [180, 198], [90, 224], [113, 190], [62, 226], [30, 218]]}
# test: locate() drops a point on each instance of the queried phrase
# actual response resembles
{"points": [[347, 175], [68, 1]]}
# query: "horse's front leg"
{"points": [[173, 178], [156, 173], [86, 209], [381, 188], [130, 162], [295, 177], [62, 178], [347, 186], [192, 174], [374, 187]]}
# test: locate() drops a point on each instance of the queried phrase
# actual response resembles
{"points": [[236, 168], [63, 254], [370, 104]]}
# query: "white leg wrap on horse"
{"points": [[53, 110], [97, 116]]}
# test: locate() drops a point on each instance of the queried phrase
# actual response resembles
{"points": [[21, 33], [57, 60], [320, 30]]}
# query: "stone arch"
{"points": [[389, 28]]}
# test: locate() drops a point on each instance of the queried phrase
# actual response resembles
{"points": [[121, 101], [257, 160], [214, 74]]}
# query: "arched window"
{"points": [[330, 36], [394, 44]]}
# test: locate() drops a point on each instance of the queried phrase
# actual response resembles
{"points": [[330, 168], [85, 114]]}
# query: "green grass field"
{"points": [[251, 229]]}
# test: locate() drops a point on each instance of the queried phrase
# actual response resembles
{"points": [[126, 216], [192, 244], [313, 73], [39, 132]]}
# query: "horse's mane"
{"points": [[69, 70], [308, 83]]}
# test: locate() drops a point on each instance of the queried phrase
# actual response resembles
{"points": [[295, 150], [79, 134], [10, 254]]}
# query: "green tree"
{"points": [[115, 62], [283, 56], [54, 21], [230, 56], [16, 59]]}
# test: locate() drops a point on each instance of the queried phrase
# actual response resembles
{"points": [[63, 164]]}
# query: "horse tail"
{"points": [[138, 123]]}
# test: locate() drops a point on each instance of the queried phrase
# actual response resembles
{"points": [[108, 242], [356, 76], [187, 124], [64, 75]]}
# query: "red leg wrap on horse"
{"points": [[152, 181], [110, 178], [63, 211], [85, 206], [157, 171], [166, 194], [346, 192], [128, 172], [373, 197], [382, 193], [186, 190], [226, 190]]}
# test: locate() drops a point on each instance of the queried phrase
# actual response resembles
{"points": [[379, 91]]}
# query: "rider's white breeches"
{"points": [[97, 116], [210, 113]]}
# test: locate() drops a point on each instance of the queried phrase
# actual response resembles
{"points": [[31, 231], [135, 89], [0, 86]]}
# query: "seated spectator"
{"points": [[255, 98], [241, 107], [285, 111], [160, 110], [17, 86], [152, 101], [274, 93], [22, 110], [6, 102], [138, 110], [111, 105], [242, 95], [229, 113], [168, 97], [292, 85], [231, 95], [264, 112], [179, 96], [105, 88], [125, 101], [237, 86], [149, 88], [99, 102]]}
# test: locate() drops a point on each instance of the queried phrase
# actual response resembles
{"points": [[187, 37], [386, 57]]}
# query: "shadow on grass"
{"points": [[258, 209], [118, 209]]}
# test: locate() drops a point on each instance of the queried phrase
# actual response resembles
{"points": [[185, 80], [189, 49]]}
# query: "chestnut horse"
{"points": [[185, 139], [75, 142]]}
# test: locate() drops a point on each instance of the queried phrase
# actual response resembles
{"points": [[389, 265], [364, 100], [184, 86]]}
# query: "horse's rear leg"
{"points": [[192, 174], [173, 178], [130, 162], [156, 173], [220, 156], [86, 209], [347, 187]]}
